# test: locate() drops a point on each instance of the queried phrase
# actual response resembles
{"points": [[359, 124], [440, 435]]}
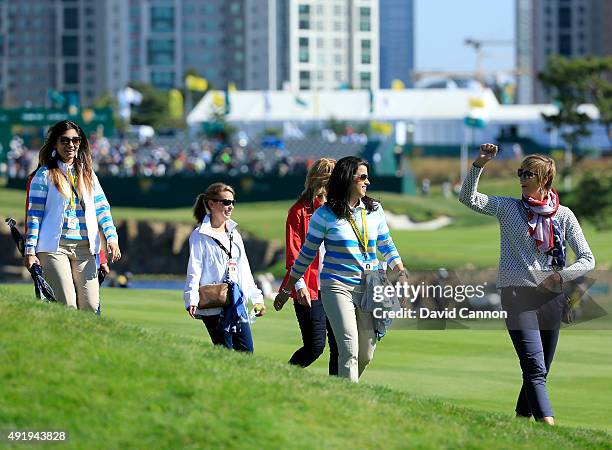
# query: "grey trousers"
{"points": [[352, 327]]}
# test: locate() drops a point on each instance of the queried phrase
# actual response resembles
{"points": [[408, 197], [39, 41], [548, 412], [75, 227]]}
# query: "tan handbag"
{"points": [[216, 295], [213, 296]]}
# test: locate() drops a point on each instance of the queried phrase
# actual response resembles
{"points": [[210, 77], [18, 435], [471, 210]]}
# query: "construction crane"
{"points": [[477, 45], [478, 74]]}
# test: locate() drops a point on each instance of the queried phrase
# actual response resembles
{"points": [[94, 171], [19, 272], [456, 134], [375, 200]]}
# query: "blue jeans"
{"points": [[533, 322], [240, 340], [313, 325]]}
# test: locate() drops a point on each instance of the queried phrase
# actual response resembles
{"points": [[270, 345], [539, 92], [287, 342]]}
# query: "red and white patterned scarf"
{"points": [[540, 215]]}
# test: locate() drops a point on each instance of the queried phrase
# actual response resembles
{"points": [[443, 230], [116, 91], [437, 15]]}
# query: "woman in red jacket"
{"points": [[312, 320]]}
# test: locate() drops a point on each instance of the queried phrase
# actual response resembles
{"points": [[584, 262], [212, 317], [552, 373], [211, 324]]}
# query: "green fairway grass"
{"points": [[467, 368]]}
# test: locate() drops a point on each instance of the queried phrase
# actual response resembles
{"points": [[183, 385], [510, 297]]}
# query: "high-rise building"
{"points": [[63, 45], [312, 44], [570, 28], [396, 42], [266, 49], [168, 38], [602, 27], [333, 44], [88, 48]]}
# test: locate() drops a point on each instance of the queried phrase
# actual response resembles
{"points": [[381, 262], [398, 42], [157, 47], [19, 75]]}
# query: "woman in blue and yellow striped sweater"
{"points": [[66, 205], [352, 227]]}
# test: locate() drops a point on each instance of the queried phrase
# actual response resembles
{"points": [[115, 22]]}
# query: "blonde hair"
{"points": [[317, 178], [543, 167], [212, 192]]}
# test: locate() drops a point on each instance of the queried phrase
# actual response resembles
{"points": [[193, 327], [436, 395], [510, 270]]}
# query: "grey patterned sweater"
{"points": [[520, 262]]}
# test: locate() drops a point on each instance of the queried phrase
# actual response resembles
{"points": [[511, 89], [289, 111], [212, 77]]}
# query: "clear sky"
{"points": [[443, 25]]}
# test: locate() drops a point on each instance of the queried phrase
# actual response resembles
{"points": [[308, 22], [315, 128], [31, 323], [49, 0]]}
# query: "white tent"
{"points": [[409, 104], [437, 114]]}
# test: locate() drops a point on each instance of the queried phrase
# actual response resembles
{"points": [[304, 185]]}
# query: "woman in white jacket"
{"points": [[216, 249], [66, 206]]}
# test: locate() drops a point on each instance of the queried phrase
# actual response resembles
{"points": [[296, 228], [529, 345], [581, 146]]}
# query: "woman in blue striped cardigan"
{"points": [[352, 227], [66, 205]]}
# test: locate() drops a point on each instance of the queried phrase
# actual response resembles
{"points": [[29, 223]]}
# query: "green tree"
{"points": [[564, 78], [219, 128], [592, 200], [108, 100], [601, 92], [337, 126], [573, 82], [153, 110]]}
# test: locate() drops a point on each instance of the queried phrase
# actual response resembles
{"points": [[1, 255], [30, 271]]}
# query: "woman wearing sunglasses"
{"points": [[306, 294], [216, 251], [66, 205], [353, 227], [533, 232]]}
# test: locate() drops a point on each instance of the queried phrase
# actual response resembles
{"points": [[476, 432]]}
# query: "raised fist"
{"points": [[487, 153]]}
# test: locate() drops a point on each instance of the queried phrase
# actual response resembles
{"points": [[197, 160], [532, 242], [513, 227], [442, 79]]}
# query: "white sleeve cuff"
{"points": [[300, 284], [191, 300], [257, 300]]}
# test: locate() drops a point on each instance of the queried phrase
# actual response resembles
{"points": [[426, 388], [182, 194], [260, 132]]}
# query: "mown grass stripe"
{"points": [[113, 385]]}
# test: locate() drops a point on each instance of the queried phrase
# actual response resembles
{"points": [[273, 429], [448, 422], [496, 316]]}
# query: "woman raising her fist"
{"points": [[533, 232]]}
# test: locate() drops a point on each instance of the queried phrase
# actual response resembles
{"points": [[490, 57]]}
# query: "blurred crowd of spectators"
{"points": [[152, 158]]}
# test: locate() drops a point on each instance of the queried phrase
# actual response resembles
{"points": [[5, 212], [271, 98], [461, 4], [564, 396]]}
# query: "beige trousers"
{"points": [[72, 273], [353, 328]]}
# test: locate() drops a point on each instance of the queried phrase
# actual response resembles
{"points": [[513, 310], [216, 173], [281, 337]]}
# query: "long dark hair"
{"points": [[339, 187], [83, 162]]}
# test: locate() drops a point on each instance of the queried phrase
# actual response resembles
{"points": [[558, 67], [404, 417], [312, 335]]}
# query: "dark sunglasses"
{"points": [[362, 177], [522, 173], [225, 201], [66, 140]]}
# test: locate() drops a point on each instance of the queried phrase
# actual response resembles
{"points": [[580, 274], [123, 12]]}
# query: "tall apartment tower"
{"points": [[333, 44], [94, 47], [396, 42], [266, 46], [570, 28], [168, 38], [63, 45], [311, 44]]}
